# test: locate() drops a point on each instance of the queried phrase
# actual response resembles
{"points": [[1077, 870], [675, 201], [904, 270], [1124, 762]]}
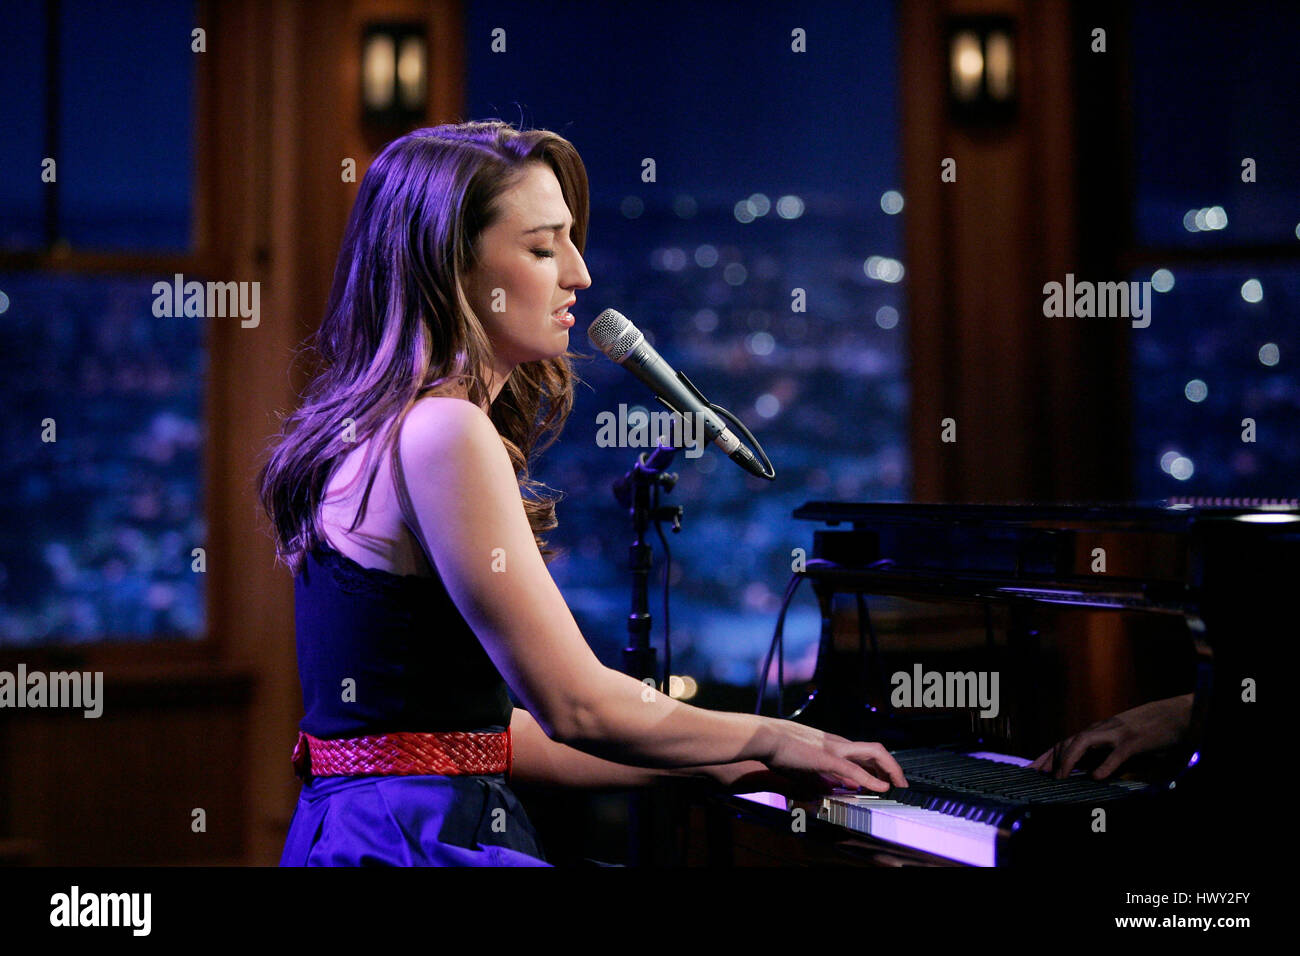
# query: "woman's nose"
{"points": [[577, 276]]}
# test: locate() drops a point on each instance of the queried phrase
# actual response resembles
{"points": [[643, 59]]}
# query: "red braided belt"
{"points": [[447, 753]]}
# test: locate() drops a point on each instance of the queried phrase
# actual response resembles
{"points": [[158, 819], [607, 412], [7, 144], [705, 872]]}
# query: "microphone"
{"points": [[622, 342]]}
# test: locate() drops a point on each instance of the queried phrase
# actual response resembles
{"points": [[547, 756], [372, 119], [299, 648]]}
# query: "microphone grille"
{"points": [[613, 334]]}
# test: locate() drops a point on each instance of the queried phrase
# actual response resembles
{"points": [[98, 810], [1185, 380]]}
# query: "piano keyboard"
{"points": [[958, 802], [959, 805]]}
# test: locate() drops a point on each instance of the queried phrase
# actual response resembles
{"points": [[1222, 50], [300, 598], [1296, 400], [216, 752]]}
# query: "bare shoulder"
{"points": [[450, 451], [447, 410], [438, 425]]}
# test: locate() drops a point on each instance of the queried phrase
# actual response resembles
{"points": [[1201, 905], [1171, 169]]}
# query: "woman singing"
{"points": [[396, 494]]}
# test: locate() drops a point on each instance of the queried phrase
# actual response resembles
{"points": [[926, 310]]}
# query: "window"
{"points": [[753, 199], [117, 120], [103, 399], [1215, 386]]}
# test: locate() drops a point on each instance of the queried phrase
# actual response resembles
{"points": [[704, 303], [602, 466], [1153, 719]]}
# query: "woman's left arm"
{"points": [[540, 760]]}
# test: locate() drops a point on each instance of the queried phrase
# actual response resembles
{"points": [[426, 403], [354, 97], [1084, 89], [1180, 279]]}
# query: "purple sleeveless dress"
{"points": [[414, 665]]}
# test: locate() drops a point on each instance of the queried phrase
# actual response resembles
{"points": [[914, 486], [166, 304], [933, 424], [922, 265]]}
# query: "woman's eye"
{"points": [[543, 253]]}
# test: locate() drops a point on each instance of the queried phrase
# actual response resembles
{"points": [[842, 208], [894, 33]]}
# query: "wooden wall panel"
{"points": [[1039, 402]]}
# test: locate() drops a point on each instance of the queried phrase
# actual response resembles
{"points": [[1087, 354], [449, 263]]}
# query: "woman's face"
{"points": [[527, 272]]}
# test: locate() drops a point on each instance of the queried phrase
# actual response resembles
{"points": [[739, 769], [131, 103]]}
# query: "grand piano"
{"points": [[1082, 612]]}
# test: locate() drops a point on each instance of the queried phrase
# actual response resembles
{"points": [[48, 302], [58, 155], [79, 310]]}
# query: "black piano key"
{"points": [[974, 787]]}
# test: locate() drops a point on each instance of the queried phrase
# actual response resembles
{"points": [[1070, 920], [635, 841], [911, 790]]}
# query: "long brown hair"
{"points": [[399, 327]]}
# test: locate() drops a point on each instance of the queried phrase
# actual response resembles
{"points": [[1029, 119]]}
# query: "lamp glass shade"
{"points": [[967, 65], [379, 72]]}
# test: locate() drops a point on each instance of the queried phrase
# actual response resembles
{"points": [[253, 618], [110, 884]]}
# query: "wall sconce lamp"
{"points": [[394, 74], [982, 69]]}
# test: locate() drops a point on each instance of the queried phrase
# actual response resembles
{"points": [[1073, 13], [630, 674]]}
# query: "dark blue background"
{"points": [[715, 95]]}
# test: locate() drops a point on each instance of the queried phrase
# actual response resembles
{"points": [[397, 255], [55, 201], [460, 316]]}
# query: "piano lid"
{"points": [[1170, 513]]}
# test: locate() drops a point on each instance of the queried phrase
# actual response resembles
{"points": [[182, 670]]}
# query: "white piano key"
{"points": [[767, 798], [954, 838]]}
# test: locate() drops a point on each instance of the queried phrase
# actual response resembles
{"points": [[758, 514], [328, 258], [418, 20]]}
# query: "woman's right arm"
{"points": [[471, 521]]}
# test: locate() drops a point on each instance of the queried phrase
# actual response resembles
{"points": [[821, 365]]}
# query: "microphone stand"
{"points": [[633, 491]]}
